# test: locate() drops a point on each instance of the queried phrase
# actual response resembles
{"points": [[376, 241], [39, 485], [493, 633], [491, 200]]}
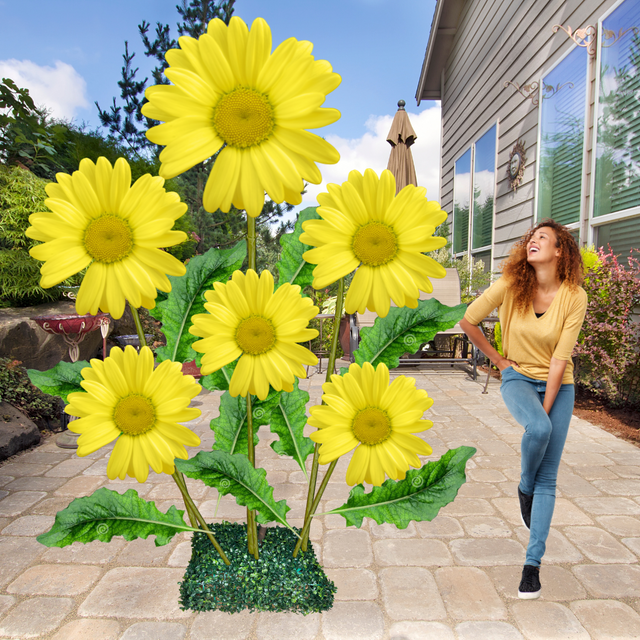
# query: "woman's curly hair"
{"points": [[521, 276]]}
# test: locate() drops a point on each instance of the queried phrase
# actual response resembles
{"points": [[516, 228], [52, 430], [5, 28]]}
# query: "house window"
{"points": [[621, 236], [461, 198], [562, 121], [473, 198], [617, 171]]}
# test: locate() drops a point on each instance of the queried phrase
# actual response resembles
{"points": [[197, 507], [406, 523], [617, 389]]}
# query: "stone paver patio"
{"points": [[455, 577]]}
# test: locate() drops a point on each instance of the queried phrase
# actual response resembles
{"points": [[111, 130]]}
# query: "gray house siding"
{"points": [[496, 41]]}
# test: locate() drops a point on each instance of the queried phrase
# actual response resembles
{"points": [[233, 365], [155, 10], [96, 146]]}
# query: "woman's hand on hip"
{"points": [[504, 363]]}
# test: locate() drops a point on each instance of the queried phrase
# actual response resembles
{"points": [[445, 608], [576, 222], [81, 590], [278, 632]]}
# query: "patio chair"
{"points": [[447, 291]]}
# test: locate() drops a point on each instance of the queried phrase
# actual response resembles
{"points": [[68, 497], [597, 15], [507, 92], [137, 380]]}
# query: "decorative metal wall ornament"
{"points": [[582, 37], [516, 164], [608, 34], [531, 91]]}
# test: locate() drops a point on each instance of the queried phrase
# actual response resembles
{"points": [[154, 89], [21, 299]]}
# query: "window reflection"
{"points": [[461, 192], [484, 176]]}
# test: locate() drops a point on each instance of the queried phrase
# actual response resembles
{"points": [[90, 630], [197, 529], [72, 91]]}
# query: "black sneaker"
{"points": [[530, 587], [525, 508]]}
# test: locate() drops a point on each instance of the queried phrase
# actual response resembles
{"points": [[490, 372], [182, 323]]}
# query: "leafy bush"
{"points": [[17, 390], [608, 349]]}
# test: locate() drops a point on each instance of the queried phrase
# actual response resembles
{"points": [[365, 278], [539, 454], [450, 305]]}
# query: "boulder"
{"points": [[17, 432], [22, 339]]}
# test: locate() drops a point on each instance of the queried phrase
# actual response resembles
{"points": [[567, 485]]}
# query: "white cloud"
{"points": [[372, 150], [59, 89]]}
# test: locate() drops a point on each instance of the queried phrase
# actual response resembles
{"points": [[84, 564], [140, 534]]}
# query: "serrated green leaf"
{"points": [[219, 380], [230, 426], [418, 497], [288, 420], [106, 514], [61, 380], [233, 473], [186, 299], [292, 266], [404, 330]]}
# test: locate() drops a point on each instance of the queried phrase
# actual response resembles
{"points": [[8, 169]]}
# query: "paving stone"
{"points": [[155, 631], [587, 460], [498, 462], [122, 486], [136, 592], [39, 456], [98, 468], [16, 554], [18, 502], [387, 530], [217, 625], [348, 548], [627, 471], [585, 446], [411, 553], [610, 581], [487, 631], [420, 631], [630, 458], [486, 552], [34, 483], [80, 486], [50, 506], [608, 619], [540, 620], [468, 507], [411, 593], [35, 617], [595, 473], [143, 552], [287, 626], [29, 526], [633, 544], [55, 580], [6, 602], [17, 469], [93, 629], [598, 545], [479, 490], [469, 594], [572, 486], [440, 527], [353, 621], [558, 551], [486, 527], [181, 555], [558, 584], [626, 487], [171, 491], [69, 468], [4, 480], [621, 525], [354, 584], [486, 475], [603, 506], [90, 553]]}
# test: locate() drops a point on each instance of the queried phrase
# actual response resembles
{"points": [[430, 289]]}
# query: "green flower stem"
{"points": [[193, 511], [330, 366], [139, 329], [252, 533], [251, 242], [304, 534]]}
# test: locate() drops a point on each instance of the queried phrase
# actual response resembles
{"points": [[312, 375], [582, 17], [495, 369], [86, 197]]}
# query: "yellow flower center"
{"points": [[108, 238], [371, 425], [255, 335], [134, 415], [243, 118], [375, 244]]}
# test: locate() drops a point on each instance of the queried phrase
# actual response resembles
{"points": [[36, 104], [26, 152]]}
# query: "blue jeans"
{"points": [[541, 447]]}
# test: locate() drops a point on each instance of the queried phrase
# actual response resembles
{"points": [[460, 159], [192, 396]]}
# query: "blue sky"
{"points": [[69, 54]]}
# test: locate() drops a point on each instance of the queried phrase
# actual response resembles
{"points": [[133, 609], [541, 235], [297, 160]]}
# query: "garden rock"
{"points": [[17, 432], [22, 339]]}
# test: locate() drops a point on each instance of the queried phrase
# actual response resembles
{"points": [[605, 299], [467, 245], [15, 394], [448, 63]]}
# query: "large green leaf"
{"points": [[233, 473], [404, 330], [288, 420], [219, 380], [292, 266], [63, 379], [106, 514], [230, 426], [418, 497], [186, 299]]}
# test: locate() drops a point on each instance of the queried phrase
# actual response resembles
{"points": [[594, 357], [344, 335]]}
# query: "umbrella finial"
{"points": [[401, 104]]}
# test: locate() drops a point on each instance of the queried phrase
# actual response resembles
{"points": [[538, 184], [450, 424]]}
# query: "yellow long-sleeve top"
{"points": [[531, 341]]}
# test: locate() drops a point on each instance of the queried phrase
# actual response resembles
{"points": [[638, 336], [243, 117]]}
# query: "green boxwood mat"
{"points": [[275, 582]]}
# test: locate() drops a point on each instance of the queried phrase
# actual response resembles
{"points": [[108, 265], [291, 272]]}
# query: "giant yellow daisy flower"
{"points": [[230, 92], [247, 319], [364, 224], [127, 399], [98, 220], [363, 410]]}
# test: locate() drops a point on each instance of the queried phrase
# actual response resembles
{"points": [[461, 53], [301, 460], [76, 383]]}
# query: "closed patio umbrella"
{"points": [[401, 137]]}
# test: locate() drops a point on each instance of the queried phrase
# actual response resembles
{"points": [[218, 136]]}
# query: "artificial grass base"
{"points": [[275, 582]]}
